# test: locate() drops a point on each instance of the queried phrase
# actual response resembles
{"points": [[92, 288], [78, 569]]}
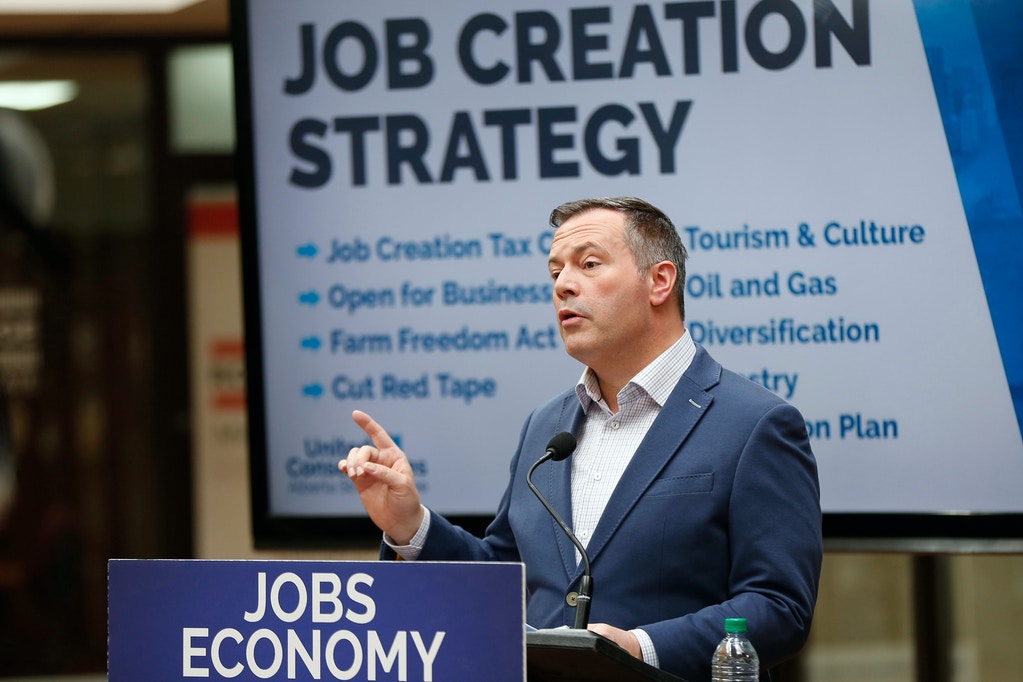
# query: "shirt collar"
{"points": [[657, 379]]}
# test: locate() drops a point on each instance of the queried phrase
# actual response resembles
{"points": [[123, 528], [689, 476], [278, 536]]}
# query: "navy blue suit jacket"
{"points": [[717, 515]]}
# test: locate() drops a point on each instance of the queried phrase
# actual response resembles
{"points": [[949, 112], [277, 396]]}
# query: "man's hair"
{"points": [[649, 234]]}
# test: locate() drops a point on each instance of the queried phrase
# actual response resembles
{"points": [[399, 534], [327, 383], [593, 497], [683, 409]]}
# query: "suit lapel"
{"points": [[685, 406], [556, 482]]}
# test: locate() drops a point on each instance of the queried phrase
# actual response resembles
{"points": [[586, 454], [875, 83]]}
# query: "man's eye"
{"points": [[555, 273]]}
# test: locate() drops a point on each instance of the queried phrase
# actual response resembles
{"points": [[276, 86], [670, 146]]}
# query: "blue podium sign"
{"points": [[311, 620]]}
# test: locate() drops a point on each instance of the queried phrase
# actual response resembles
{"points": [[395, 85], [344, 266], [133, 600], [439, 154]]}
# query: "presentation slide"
{"points": [[844, 174]]}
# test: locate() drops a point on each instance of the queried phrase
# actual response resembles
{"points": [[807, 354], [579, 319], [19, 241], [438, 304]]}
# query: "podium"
{"points": [[227, 621], [563, 655], [170, 620]]}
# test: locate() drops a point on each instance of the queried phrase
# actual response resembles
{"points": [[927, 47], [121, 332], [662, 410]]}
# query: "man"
{"points": [[694, 489]]}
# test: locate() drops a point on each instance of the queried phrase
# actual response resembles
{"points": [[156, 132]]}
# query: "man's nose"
{"points": [[564, 285]]}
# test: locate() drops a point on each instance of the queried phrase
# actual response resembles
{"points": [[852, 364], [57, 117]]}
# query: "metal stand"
{"points": [[932, 614]]}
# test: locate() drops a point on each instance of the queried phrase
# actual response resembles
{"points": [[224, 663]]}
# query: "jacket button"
{"points": [[572, 598]]}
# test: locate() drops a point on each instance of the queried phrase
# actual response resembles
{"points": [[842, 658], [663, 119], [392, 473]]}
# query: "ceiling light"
{"points": [[92, 6], [35, 95]]}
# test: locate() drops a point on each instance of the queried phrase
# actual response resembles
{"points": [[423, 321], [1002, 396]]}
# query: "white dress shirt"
{"points": [[607, 441]]}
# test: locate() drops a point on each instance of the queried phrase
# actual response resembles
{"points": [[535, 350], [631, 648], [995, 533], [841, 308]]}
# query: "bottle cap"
{"points": [[735, 625]]}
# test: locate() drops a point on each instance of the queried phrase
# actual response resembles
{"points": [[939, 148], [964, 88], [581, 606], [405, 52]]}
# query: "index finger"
{"points": [[381, 439]]}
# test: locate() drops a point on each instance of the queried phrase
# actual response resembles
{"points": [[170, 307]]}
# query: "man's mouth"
{"points": [[567, 314]]}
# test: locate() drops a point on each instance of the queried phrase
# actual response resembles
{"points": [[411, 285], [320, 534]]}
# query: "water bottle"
{"points": [[735, 659]]}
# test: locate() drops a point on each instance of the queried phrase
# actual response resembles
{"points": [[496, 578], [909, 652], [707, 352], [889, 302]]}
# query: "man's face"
{"points": [[600, 297]]}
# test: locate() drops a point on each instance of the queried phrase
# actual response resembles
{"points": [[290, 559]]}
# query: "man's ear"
{"points": [[662, 278]]}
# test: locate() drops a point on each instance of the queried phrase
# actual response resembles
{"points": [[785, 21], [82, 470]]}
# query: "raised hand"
{"points": [[384, 481]]}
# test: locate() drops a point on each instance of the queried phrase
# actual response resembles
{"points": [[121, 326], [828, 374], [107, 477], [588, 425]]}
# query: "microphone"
{"points": [[559, 448]]}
